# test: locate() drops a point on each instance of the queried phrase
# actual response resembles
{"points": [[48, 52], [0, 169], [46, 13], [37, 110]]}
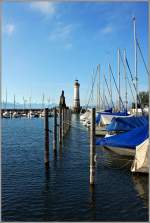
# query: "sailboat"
{"points": [[125, 143]]}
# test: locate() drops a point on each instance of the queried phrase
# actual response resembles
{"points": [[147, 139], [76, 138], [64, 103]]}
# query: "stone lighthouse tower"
{"points": [[76, 105]]}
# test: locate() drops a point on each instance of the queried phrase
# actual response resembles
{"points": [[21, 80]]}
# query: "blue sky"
{"points": [[46, 46]]}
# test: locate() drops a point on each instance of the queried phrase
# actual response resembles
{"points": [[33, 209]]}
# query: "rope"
{"points": [[117, 88], [132, 79], [109, 91], [117, 168], [127, 78], [92, 88], [103, 156], [142, 57]]}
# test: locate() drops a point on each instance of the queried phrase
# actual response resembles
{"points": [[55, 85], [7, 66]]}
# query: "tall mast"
{"points": [[135, 64], [125, 77], [92, 98], [99, 94], [97, 105], [48, 101], [110, 84], [14, 102], [30, 102], [119, 106], [43, 101], [6, 100], [23, 103]]}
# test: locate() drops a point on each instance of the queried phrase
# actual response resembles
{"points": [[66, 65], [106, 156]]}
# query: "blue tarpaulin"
{"points": [[126, 123], [98, 118], [108, 110], [126, 140]]}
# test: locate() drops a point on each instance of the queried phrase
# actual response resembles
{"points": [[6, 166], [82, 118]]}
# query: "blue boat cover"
{"points": [[98, 118], [126, 123], [108, 110], [126, 140]]}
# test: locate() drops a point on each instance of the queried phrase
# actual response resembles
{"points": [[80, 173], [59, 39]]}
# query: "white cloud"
{"points": [[107, 30], [45, 7], [9, 29], [62, 32]]}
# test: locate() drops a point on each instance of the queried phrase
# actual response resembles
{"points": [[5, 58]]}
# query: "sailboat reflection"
{"points": [[141, 186]]}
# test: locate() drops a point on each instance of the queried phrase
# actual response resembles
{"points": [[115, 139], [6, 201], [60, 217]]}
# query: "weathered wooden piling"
{"points": [[67, 121], [60, 126], [46, 128], [92, 148], [55, 131], [63, 123], [70, 117]]}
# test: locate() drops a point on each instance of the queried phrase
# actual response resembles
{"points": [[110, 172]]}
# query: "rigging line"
{"points": [[116, 87], [130, 88], [106, 101], [85, 100], [92, 88], [109, 91], [142, 57], [133, 80], [127, 77]]}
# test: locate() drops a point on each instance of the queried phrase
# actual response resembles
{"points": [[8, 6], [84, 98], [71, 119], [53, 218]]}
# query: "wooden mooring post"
{"points": [[70, 117], [63, 123], [92, 148], [60, 126], [67, 112], [55, 131], [46, 128]]}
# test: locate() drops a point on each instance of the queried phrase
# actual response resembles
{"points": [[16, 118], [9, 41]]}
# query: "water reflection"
{"points": [[92, 195], [47, 177], [60, 151], [141, 186]]}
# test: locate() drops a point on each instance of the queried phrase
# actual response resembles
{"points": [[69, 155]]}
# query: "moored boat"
{"points": [[125, 143]]}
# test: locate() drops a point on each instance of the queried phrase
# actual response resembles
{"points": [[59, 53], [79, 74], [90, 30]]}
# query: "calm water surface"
{"points": [[62, 193]]}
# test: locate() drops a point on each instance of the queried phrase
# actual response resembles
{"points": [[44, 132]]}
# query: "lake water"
{"points": [[62, 193]]}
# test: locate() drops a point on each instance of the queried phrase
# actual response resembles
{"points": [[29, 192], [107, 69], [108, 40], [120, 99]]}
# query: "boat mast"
{"points": [[125, 77], [30, 102], [23, 104], [99, 94], [48, 101], [119, 107], [110, 85], [135, 64], [92, 98], [14, 102], [97, 97], [43, 101], [6, 100]]}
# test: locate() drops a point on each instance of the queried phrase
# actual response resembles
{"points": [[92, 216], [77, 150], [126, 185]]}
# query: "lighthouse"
{"points": [[76, 105]]}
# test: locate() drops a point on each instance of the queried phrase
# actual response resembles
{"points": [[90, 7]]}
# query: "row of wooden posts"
{"points": [[64, 125]]}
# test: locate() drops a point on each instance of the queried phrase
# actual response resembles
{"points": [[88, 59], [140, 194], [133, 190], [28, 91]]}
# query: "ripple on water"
{"points": [[29, 193]]}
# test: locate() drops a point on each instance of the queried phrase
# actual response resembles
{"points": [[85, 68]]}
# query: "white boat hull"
{"points": [[141, 161], [121, 151]]}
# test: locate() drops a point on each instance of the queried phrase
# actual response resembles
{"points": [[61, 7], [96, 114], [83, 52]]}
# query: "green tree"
{"points": [[144, 99]]}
